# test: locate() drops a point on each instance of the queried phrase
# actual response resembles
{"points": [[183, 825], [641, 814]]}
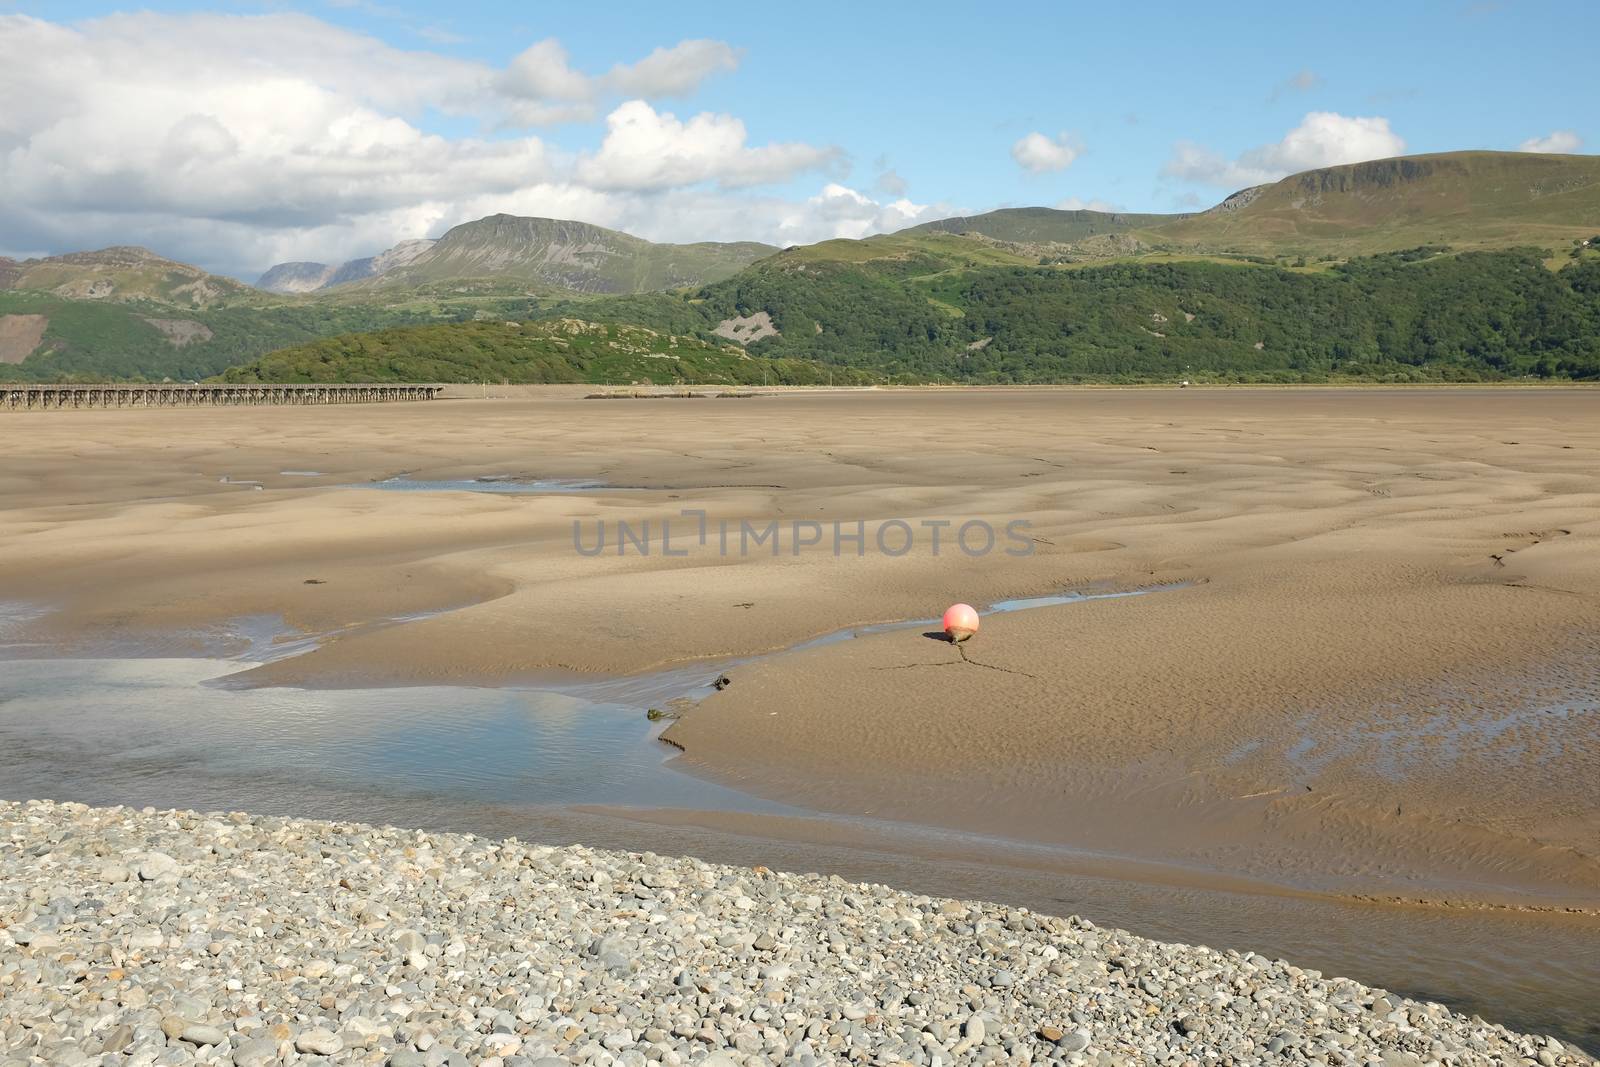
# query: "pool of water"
{"points": [[164, 722], [110, 722], [121, 726]]}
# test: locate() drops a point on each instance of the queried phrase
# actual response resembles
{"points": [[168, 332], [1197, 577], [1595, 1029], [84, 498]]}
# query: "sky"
{"points": [[236, 135]]}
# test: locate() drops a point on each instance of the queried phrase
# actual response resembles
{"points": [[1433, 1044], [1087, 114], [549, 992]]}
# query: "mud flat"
{"points": [[175, 937], [1378, 682]]}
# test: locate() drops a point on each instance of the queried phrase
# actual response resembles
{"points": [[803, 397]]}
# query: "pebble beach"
{"points": [[146, 937]]}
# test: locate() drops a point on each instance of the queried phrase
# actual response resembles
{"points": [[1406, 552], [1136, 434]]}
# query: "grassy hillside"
{"points": [[1043, 225], [121, 274], [1462, 200], [557, 350], [91, 340], [1465, 200]]}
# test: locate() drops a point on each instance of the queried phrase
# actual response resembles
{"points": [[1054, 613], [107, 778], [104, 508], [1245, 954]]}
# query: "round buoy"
{"points": [[960, 621]]}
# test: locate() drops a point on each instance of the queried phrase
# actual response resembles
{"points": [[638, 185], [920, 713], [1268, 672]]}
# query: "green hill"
{"points": [[121, 274], [1043, 225], [1465, 200], [47, 338], [1462, 200], [129, 313], [1418, 315], [554, 350]]}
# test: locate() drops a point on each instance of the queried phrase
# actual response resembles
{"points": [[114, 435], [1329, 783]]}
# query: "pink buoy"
{"points": [[960, 621]]}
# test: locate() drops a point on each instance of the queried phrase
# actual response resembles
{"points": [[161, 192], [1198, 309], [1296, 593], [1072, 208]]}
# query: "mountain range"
{"points": [[901, 303], [550, 254], [309, 277]]}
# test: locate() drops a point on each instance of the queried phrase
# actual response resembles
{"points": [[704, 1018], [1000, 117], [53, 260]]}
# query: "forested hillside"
{"points": [[71, 340], [1422, 314], [559, 350]]}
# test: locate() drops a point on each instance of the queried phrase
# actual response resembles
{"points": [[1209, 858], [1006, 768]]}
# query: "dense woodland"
{"points": [[100, 340], [565, 350], [1422, 315]]}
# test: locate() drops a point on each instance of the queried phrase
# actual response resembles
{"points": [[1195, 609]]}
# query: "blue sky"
{"points": [[876, 114]]}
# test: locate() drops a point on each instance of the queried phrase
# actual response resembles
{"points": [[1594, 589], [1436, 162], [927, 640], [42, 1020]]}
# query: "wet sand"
{"points": [[1381, 681]]}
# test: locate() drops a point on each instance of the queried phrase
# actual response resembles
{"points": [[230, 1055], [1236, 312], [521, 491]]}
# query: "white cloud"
{"points": [[541, 72], [1041, 154], [544, 89], [649, 149], [675, 71], [1323, 139], [1075, 203], [1559, 141], [238, 141], [839, 211]]}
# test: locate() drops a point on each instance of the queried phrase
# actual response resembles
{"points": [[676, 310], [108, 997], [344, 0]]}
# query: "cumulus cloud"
{"points": [[542, 87], [1559, 141], [1041, 154], [1323, 139], [649, 149], [675, 71], [238, 141], [840, 211]]}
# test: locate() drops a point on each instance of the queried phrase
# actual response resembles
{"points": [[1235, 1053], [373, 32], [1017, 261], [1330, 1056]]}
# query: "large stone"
{"points": [[153, 866], [319, 1042], [202, 1034]]}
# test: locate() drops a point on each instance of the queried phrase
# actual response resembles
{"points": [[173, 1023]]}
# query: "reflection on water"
{"points": [[118, 726]]}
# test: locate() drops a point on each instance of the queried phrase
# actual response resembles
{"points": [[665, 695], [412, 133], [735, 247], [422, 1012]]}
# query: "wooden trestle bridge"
{"points": [[20, 397]]}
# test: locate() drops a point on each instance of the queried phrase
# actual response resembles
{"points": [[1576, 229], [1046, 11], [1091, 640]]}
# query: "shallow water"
{"points": [[1401, 741], [489, 484], [124, 725], [15, 615], [171, 732], [999, 607]]}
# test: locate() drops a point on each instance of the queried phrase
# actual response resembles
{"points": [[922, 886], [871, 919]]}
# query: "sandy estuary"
{"points": [[1351, 717]]}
